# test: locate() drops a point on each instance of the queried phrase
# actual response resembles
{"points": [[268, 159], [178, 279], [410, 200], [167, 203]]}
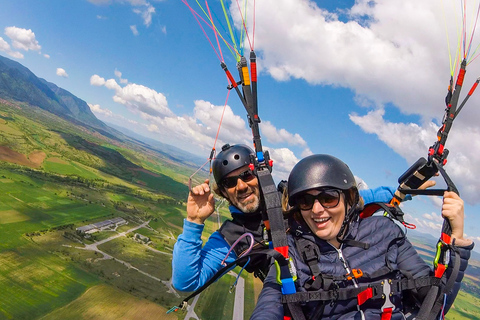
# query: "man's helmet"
{"points": [[319, 171], [230, 159]]}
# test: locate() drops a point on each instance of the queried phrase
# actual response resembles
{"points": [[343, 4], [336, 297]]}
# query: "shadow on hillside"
{"points": [[116, 164]]}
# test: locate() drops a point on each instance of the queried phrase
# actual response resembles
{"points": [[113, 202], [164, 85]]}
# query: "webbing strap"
{"points": [[273, 207], [363, 296], [387, 313], [296, 311], [450, 283], [363, 293]]}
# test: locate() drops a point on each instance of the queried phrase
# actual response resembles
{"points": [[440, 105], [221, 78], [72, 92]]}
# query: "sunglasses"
{"points": [[327, 198], [230, 182]]}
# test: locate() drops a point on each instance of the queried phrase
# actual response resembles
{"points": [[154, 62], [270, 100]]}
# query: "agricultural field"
{"points": [[55, 177], [104, 302]]}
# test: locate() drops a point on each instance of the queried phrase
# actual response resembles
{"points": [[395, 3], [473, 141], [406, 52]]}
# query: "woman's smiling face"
{"points": [[325, 223]]}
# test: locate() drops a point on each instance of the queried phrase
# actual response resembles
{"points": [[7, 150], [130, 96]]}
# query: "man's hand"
{"points": [[200, 203]]}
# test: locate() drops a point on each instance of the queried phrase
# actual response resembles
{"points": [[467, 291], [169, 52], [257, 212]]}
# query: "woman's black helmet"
{"points": [[318, 171], [230, 159]]}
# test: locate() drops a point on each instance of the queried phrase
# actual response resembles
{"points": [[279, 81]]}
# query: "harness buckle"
{"points": [[387, 293], [355, 273]]}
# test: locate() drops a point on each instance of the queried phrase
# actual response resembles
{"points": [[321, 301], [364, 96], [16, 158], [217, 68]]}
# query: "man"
{"points": [[192, 265]]}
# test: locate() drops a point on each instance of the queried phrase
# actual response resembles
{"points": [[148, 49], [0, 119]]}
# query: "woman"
{"points": [[347, 261]]}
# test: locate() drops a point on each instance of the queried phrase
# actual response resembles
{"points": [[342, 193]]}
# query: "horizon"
{"points": [[346, 78]]}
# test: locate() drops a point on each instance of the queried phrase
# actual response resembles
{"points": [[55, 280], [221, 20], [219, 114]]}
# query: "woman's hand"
{"points": [[452, 209]]}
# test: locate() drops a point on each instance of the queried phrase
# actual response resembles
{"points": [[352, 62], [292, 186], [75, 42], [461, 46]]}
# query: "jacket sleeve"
{"points": [[380, 194], [192, 265], [464, 255], [269, 305]]}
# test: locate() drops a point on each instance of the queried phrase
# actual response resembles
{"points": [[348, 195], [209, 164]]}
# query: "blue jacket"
{"points": [[193, 266], [389, 251]]}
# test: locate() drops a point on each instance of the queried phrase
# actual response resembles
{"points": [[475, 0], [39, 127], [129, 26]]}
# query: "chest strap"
{"points": [[377, 290]]}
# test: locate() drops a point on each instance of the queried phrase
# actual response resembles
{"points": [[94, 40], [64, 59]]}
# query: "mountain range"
{"points": [[18, 83]]}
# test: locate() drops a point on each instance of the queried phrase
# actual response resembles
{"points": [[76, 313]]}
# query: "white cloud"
{"points": [[62, 73], [23, 39], [197, 132], [134, 30], [137, 98], [47, 56], [274, 135], [96, 80], [5, 47], [145, 12], [433, 217], [141, 7], [386, 52], [412, 141], [99, 111], [118, 74], [283, 162]]}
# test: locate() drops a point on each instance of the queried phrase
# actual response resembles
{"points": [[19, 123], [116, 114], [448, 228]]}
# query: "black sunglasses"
{"points": [[230, 182], [327, 198]]}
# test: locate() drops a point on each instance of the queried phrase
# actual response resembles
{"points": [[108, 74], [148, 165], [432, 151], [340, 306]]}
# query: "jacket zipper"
{"points": [[347, 268]]}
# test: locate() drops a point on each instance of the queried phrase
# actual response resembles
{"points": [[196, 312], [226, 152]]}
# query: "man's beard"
{"points": [[249, 207]]}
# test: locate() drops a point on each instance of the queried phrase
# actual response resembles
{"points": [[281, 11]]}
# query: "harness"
{"points": [[384, 284], [232, 230]]}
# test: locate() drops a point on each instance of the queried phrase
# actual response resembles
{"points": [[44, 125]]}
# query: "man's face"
{"points": [[245, 195]]}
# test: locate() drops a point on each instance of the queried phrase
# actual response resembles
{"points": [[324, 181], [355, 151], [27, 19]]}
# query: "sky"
{"points": [[362, 80]]}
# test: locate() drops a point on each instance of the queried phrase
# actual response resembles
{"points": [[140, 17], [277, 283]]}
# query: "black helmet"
{"points": [[318, 171], [230, 159]]}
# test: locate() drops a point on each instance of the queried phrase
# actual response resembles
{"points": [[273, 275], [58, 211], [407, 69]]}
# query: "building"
{"points": [[102, 225]]}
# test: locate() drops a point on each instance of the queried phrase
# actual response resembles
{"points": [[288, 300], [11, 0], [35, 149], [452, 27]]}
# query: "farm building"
{"points": [[102, 225]]}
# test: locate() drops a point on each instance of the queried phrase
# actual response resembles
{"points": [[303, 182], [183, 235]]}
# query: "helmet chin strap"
{"points": [[350, 214]]}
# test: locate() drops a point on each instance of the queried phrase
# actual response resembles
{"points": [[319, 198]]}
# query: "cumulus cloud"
{"points": [[137, 98], [386, 52], [96, 109], [96, 80], [5, 47], [198, 131], [283, 162], [412, 141], [274, 135], [62, 73], [22, 39]]}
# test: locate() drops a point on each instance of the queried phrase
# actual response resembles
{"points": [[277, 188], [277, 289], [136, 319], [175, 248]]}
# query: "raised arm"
{"points": [[192, 265]]}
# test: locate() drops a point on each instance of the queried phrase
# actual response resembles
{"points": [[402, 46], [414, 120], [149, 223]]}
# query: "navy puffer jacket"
{"points": [[390, 256]]}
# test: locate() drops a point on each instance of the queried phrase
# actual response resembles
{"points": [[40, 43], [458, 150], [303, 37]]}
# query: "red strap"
{"points": [[439, 270], [287, 318], [387, 313], [283, 250], [446, 238], [364, 296]]}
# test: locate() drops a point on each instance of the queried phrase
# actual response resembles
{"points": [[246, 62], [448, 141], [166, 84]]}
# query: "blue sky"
{"points": [[364, 82]]}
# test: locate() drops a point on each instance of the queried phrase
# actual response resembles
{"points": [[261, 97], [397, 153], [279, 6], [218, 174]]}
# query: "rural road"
{"points": [[94, 247], [238, 308]]}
